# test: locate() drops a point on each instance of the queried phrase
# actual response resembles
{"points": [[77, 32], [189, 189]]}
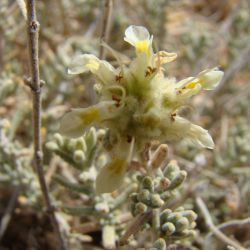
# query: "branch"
{"points": [[200, 203], [135, 227], [107, 13], [35, 85]]}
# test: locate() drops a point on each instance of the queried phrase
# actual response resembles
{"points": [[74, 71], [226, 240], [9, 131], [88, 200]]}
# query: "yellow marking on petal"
{"points": [[90, 115], [142, 46], [93, 64], [191, 85], [116, 166]]}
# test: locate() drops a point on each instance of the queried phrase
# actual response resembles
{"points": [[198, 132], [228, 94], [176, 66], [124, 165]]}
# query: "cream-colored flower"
{"points": [[76, 121], [137, 101], [104, 71], [140, 38], [182, 128]]}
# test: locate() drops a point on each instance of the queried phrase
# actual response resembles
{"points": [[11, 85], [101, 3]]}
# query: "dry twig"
{"points": [[200, 203], [35, 85], [106, 23]]}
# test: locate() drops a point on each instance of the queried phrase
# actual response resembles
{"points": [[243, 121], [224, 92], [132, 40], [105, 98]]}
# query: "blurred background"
{"points": [[204, 34]]}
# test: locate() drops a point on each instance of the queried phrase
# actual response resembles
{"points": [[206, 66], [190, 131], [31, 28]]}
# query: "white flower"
{"points": [[210, 79], [140, 38], [137, 101], [104, 71], [111, 176], [75, 122]]}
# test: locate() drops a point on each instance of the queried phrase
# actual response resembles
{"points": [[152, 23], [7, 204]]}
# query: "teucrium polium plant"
{"points": [[139, 104]]}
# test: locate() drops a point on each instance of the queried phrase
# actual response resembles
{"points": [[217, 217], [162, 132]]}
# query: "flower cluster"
{"points": [[137, 104]]}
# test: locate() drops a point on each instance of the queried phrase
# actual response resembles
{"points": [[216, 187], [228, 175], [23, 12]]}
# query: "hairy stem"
{"points": [[35, 85]]}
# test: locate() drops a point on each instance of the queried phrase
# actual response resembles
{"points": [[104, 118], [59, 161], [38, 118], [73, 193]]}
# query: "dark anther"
{"points": [[119, 77], [150, 71], [117, 100]]}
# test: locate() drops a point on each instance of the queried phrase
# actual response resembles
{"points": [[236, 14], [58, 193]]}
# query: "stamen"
{"points": [[150, 71], [119, 77], [173, 116], [117, 100]]}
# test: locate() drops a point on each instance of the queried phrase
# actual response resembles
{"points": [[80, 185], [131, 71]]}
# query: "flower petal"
{"points": [[83, 63], [207, 79], [134, 34], [210, 79], [111, 176], [75, 122], [139, 37], [100, 68], [163, 57], [200, 136], [181, 128]]}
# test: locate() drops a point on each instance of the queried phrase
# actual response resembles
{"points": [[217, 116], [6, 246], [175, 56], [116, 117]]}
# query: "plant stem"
{"points": [[35, 85], [106, 21], [135, 227], [213, 228]]}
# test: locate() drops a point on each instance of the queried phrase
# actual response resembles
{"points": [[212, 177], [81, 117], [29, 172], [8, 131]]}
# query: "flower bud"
{"points": [[166, 195], [190, 215], [178, 180], [159, 156], [79, 156], [181, 224], [59, 139], [173, 217], [168, 228], [156, 201], [164, 215], [51, 146], [144, 196], [160, 244], [147, 183], [140, 208], [171, 169], [211, 79], [81, 144]]}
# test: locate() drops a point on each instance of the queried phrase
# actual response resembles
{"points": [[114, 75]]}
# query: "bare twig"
{"points": [[135, 227], [213, 228], [231, 227], [35, 85], [106, 23]]}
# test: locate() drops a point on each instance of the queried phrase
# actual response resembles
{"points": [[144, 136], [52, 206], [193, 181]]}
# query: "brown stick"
{"points": [[213, 228], [106, 21], [135, 227], [35, 85]]}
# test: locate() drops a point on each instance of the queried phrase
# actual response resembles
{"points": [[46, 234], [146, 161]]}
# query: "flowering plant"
{"points": [[138, 104]]}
